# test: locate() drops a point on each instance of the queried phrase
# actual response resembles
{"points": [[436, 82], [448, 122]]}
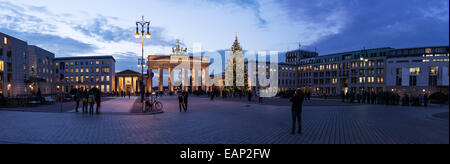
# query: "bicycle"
{"points": [[153, 105]]}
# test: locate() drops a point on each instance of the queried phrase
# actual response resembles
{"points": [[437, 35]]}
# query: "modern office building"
{"points": [[294, 57], [288, 76], [418, 70], [41, 70], [13, 66], [85, 72], [355, 71]]}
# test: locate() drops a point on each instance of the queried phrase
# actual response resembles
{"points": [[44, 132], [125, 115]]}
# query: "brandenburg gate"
{"points": [[180, 61]]}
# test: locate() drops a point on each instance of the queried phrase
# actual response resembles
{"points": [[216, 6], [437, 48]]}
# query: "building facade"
{"points": [[85, 72], [418, 70], [13, 66], [288, 76], [355, 71], [295, 57], [41, 70], [127, 82]]}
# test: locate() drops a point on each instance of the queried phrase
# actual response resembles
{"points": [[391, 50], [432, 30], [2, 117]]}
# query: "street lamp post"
{"points": [[142, 34]]}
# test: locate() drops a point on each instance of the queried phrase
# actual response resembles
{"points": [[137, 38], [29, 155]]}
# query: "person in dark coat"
{"points": [[425, 100], [84, 98], [297, 109], [98, 100], [181, 102], [186, 98], [77, 98]]}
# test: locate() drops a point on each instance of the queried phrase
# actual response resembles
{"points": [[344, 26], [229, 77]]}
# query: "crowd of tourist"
{"points": [[88, 98], [386, 98]]}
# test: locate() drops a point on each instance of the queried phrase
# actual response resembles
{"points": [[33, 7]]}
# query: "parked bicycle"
{"points": [[152, 104]]}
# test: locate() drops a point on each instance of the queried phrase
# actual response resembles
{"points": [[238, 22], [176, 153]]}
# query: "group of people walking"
{"points": [[122, 94], [88, 99], [183, 101], [386, 98]]}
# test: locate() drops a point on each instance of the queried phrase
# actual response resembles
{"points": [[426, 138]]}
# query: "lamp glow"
{"points": [[148, 35], [137, 36]]}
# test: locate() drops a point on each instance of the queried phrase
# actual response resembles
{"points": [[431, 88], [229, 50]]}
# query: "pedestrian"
{"points": [[186, 98], [77, 98], [91, 102], [425, 100], [250, 95], [212, 94], [98, 100], [297, 109], [181, 102], [85, 97]]}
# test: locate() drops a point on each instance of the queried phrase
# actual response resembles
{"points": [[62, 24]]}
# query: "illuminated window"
{"points": [[97, 69], [428, 50], [71, 63], [2, 66], [97, 62], [57, 64], [5, 39], [414, 71], [335, 81], [434, 70]]}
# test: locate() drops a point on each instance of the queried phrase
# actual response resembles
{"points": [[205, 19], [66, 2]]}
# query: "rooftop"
{"points": [[86, 57]]}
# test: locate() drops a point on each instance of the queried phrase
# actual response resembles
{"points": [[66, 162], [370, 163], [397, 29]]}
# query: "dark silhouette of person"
{"points": [[297, 109], [181, 102], [85, 96], [186, 98], [425, 100], [98, 100], [91, 101], [77, 98], [250, 95]]}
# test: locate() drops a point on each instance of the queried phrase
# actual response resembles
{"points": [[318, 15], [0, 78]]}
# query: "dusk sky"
{"points": [[106, 27]]}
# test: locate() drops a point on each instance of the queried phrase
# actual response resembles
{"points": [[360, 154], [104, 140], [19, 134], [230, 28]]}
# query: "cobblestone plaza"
{"points": [[226, 122]]}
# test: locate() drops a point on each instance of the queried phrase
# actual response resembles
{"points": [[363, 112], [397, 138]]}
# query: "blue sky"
{"points": [[106, 27]]}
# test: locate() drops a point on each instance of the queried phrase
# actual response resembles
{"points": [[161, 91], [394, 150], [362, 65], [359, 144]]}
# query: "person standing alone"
{"points": [[297, 109], [186, 98], [181, 102], [77, 98]]}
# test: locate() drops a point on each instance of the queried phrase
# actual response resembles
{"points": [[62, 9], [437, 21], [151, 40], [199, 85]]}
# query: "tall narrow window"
{"points": [[5, 40], [433, 78]]}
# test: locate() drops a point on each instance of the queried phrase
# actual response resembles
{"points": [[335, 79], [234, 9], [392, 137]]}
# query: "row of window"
{"points": [[103, 88], [82, 63], [82, 79], [87, 70]]}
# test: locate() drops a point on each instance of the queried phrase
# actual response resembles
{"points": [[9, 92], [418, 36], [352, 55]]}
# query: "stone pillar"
{"points": [[150, 81], [123, 84], [170, 80], [193, 82], [184, 80], [161, 79]]}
